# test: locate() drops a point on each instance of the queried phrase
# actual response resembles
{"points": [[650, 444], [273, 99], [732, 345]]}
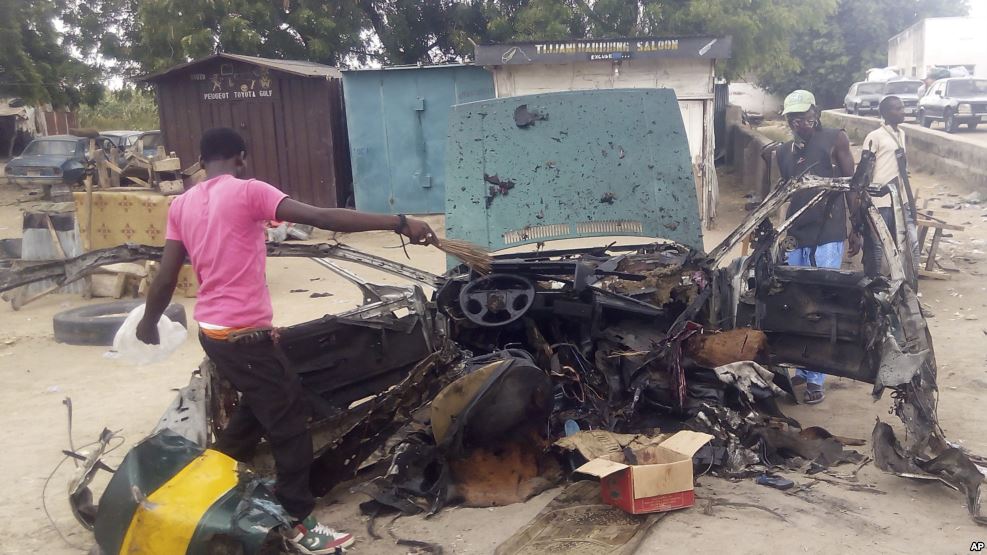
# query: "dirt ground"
{"points": [[898, 515]]}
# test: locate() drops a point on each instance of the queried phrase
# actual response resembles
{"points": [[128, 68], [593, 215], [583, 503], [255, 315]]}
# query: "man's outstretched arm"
{"points": [[161, 289], [352, 221]]}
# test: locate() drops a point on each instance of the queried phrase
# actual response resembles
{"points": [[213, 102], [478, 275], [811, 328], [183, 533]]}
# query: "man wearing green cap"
{"points": [[820, 231]]}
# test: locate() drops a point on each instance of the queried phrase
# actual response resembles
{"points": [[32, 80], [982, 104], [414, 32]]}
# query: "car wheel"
{"points": [[98, 324], [920, 117], [952, 126], [972, 125], [851, 109]]}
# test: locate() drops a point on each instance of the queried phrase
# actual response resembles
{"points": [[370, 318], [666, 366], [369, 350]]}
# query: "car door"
{"points": [[936, 99]]}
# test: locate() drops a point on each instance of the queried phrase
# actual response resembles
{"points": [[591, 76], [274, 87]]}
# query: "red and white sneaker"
{"points": [[312, 538]]}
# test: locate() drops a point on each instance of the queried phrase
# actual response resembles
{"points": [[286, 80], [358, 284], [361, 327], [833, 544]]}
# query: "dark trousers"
{"points": [[271, 406]]}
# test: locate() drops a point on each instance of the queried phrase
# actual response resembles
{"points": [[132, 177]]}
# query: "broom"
{"points": [[474, 256]]}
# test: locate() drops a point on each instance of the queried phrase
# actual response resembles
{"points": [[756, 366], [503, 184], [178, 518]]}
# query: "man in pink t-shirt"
{"points": [[219, 225]]}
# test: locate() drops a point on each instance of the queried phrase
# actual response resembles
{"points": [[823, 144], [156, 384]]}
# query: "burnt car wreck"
{"points": [[460, 396]]}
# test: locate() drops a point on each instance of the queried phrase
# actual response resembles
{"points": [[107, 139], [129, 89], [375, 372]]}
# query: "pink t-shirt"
{"points": [[221, 223]]}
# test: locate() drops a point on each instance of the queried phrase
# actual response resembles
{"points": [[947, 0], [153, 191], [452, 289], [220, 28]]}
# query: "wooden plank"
{"points": [[281, 125], [261, 150], [167, 165], [143, 184], [114, 175], [923, 231], [942, 276], [54, 237], [315, 127], [930, 262], [271, 141], [939, 225], [342, 165], [297, 141]]}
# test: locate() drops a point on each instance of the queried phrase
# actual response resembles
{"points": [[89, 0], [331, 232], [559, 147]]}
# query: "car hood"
{"points": [[40, 160], [529, 169]]}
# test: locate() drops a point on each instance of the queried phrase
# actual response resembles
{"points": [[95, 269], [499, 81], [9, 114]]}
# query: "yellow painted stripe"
{"points": [[165, 523]]}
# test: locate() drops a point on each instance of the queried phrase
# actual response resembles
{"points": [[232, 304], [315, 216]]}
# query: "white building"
{"points": [[943, 42], [685, 64], [752, 98]]}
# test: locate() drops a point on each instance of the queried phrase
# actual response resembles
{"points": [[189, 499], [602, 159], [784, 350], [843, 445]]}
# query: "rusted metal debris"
{"points": [[628, 339]]}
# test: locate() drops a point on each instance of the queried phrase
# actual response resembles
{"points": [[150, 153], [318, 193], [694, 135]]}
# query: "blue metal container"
{"points": [[397, 121]]}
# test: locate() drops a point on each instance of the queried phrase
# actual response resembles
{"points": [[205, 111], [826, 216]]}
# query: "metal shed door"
{"points": [[398, 122]]}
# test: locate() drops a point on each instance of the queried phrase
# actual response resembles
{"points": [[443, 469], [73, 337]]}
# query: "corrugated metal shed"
{"points": [[290, 113], [398, 119]]}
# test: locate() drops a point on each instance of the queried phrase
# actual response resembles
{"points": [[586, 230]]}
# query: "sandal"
{"points": [[814, 394]]}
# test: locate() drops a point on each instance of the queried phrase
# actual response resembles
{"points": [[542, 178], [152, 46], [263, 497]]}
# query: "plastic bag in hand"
{"points": [[133, 350]]}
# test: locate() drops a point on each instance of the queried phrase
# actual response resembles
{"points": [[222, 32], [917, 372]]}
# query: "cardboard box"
{"points": [[661, 480]]}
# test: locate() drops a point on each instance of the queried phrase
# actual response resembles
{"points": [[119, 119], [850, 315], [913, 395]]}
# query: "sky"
{"points": [[978, 8]]}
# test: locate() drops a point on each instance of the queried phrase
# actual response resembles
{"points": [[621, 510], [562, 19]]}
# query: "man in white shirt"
{"points": [[887, 143]]}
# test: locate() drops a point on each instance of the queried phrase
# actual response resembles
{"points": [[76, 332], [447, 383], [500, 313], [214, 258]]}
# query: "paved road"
{"points": [[978, 137]]}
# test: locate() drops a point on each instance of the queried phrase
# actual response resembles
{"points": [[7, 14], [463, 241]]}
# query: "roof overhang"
{"points": [[292, 67], [591, 50]]}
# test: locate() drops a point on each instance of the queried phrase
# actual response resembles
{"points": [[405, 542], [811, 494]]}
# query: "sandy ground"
{"points": [[904, 517]]}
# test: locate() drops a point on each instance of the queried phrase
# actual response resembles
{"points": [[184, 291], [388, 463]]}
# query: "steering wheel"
{"points": [[497, 299]]}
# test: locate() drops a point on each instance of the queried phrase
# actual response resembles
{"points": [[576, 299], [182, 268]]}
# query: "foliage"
{"points": [[127, 108], [34, 64], [134, 37], [821, 45], [837, 52], [148, 35], [761, 29]]}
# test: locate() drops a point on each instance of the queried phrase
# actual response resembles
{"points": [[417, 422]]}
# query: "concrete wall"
{"points": [[744, 147], [928, 151]]}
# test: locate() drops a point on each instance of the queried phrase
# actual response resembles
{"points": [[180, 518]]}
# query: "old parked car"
{"points": [[955, 101], [907, 91], [148, 141], [48, 161], [863, 97], [123, 140]]}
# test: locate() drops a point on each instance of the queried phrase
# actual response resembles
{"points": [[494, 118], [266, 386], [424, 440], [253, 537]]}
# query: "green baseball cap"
{"points": [[798, 101]]}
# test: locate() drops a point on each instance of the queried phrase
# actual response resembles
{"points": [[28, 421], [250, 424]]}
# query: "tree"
{"points": [[134, 37], [761, 29], [837, 52], [34, 65], [147, 35]]}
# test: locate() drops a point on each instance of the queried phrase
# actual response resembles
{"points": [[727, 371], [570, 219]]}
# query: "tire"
{"points": [[950, 121], [97, 324], [972, 125], [924, 121], [851, 109]]}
